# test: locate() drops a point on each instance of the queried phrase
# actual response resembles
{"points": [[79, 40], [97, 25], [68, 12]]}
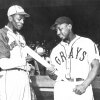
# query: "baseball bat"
{"points": [[37, 57]]}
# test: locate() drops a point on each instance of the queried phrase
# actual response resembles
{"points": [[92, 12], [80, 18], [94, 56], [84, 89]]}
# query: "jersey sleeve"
{"points": [[93, 52], [4, 47]]}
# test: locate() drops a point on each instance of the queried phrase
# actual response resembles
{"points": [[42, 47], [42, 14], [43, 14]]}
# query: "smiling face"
{"points": [[63, 30], [17, 21]]}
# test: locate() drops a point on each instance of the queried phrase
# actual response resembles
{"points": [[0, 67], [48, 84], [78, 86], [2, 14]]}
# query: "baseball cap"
{"points": [[61, 20], [16, 9]]}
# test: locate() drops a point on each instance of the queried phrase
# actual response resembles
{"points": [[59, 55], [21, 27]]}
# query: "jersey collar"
{"points": [[77, 36]]}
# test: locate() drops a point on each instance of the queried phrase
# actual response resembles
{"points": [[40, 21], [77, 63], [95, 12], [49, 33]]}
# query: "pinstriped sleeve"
{"points": [[4, 47]]}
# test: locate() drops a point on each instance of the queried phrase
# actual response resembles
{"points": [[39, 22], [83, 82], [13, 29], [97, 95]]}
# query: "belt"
{"points": [[19, 69], [74, 79]]}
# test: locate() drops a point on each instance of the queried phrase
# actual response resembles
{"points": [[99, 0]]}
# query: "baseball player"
{"points": [[14, 80], [75, 60]]}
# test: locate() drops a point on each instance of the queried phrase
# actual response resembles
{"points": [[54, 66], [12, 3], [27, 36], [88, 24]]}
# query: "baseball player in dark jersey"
{"points": [[75, 60], [14, 80]]}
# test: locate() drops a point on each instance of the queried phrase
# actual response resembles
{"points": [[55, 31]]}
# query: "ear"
{"points": [[70, 26], [10, 18]]}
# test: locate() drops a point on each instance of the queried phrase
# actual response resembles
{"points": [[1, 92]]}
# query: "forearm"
{"points": [[51, 75], [51, 72], [92, 74]]}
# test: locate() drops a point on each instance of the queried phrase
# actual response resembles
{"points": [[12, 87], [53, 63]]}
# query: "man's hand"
{"points": [[79, 89], [29, 58], [51, 72]]}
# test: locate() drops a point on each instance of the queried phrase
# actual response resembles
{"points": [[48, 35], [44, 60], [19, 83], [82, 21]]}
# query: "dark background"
{"points": [[84, 13]]}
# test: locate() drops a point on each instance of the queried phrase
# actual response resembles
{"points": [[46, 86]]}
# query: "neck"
{"points": [[11, 27], [71, 36]]}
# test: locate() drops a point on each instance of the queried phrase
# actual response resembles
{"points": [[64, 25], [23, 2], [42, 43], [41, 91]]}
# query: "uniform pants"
{"points": [[14, 85], [63, 90]]}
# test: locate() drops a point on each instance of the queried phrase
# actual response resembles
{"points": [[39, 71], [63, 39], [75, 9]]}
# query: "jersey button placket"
{"points": [[68, 69]]}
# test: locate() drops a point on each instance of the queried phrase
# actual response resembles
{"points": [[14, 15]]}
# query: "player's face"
{"points": [[18, 21], [63, 31]]}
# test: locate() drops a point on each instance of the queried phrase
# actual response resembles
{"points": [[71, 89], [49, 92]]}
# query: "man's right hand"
{"points": [[51, 72], [51, 69]]}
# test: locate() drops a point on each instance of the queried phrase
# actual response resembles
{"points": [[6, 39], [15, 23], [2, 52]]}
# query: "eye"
{"points": [[21, 18], [60, 29]]}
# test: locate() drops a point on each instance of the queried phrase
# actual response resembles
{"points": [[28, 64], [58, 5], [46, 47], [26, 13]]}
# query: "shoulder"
{"points": [[86, 40], [3, 34], [56, 48], [3, 31], [87, 43]]}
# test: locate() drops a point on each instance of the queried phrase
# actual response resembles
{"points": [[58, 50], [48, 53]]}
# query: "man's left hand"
{"points": [[79, 89]]}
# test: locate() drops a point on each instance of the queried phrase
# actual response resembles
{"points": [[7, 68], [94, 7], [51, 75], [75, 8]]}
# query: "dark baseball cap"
{"points": [[61, 20]]}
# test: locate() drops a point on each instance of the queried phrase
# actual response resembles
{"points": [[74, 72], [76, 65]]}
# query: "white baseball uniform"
{"points": [[14, 83], [72, 60]]}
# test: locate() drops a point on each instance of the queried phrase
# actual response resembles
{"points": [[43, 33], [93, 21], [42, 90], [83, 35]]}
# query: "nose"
{"points": [[22, 21], [58, 32]]}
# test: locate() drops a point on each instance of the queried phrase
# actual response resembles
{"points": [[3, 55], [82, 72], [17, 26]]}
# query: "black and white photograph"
{"points": [[49, 49]]}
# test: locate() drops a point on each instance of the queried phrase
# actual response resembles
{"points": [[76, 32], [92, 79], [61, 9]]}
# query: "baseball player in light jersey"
{"points": [[75, 60], [14, 80]]}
